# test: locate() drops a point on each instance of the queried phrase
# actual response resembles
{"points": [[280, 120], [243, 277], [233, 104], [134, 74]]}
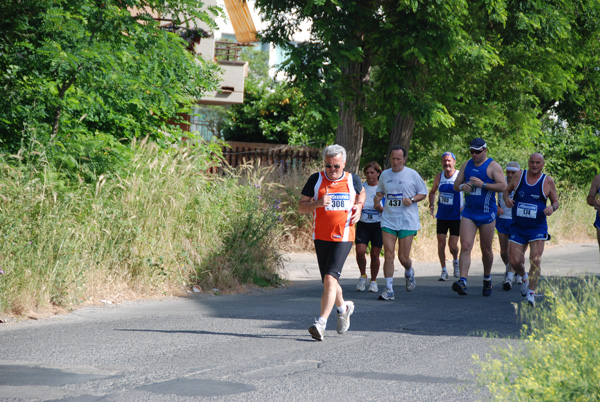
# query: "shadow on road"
{"points": [[431, 309]]}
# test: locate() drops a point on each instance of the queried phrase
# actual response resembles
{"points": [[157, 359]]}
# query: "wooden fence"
{"points": [[286, 157]]}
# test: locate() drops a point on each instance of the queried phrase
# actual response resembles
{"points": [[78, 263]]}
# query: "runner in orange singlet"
{"points": [[335, 198]]}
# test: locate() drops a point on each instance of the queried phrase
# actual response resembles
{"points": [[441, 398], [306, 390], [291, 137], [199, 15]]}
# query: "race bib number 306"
{"points": [[525, 210], [339, 202], [394, 200]]}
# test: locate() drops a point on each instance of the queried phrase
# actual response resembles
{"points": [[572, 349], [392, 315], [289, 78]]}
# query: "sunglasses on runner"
{"points": [[329, 166], [476, 151]]}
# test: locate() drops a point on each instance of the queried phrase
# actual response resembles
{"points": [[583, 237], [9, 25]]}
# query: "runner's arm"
{"points": [[434, 188], [592, 198], [551, 188]]}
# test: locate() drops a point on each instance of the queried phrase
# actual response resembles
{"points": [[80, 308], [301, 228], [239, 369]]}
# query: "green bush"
{"points": [[560, 357]]}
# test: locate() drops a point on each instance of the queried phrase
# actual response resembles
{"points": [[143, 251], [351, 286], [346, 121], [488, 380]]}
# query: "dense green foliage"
{"points": [[277, 112], [73, 70], [280, 114], [460, 69], [559, 360]]}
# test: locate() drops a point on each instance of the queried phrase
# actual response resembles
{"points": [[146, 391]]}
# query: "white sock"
{"points": [[444, 269], [510, 276], [342, 309], [525, 277], [409, 273], [322, 320], [389, 283]]}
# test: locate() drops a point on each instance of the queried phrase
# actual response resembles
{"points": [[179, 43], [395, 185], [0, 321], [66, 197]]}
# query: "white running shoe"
{"points": [[410, 283], [343, 321], [530, 297], [456, 269], [518, 279], [524, 288], [317, 330], [373, 287], [362, 284], [444, 276], [387, 294], [507, 284]]}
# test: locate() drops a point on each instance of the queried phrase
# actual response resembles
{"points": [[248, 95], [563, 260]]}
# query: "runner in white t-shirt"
{"points": [[402, 188]]}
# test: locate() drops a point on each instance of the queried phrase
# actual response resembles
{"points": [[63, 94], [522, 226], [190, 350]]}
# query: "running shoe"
{"points": [[362, 284], [456, 269], [460, 287], [487, 288], [373, 287], [343, 321], [507, 284], [444, 276], [387, 294], [317, 330], [410, 283], [518, 279], [524, 288], [530, 297]]}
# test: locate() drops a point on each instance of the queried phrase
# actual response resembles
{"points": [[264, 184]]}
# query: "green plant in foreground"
{"points": [[560, 358]]}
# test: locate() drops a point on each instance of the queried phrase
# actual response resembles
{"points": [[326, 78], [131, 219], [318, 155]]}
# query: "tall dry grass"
{"points": [[153, 228]]}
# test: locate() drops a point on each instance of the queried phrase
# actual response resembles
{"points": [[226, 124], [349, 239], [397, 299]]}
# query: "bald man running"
{"points": [[532, 190]]}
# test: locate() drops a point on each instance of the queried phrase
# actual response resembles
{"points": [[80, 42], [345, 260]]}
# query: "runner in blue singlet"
{"points": [[480, 178], [449, 205], [529, 227]]}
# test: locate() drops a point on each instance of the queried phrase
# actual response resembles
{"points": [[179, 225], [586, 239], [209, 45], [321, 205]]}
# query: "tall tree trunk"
{"points": [[62, 89], [401, 134], [350, 131]]}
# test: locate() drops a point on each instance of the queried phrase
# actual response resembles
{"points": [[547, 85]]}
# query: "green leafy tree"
{"points": [[258, 65], [278, 114], [336, 61], [78, 68], [450, 70]]}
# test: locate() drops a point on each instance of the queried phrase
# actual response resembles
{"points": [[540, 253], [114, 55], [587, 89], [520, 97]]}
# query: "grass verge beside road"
{"points": [[155, 227]]}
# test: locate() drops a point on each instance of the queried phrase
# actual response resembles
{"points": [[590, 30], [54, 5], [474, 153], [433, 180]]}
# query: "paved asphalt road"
{"points": [[255, 346]]}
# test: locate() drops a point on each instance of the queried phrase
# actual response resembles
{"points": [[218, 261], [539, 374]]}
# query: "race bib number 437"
{"points": [[394, 200], [339, 202]]}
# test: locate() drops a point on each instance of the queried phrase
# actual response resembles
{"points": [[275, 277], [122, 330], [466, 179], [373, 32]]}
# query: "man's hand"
{"points": [[356, 213]]}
